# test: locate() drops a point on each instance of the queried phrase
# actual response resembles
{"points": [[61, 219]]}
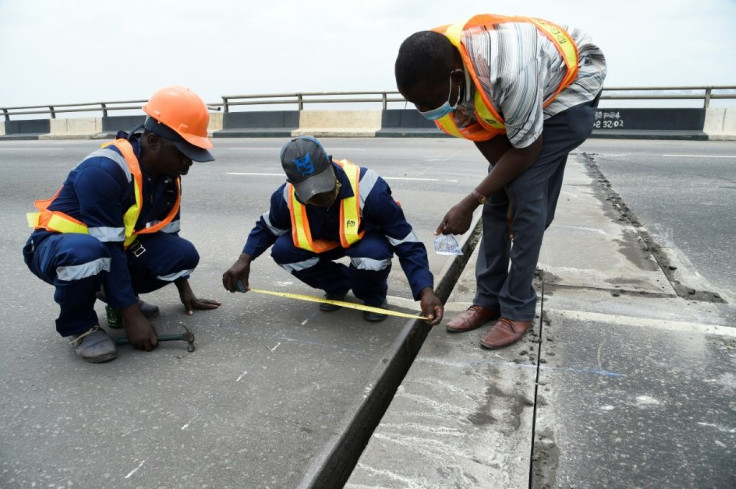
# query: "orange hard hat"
{"points": [[183, 111]]}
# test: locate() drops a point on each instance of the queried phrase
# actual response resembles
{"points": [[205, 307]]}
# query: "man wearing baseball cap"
{"points": [[329, 209], [95, 239]]}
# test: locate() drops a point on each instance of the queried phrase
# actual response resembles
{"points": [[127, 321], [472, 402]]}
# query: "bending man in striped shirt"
{"points": [[525, 92]]}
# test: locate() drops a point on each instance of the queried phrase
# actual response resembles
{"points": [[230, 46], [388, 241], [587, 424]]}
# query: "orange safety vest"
{"points": [[60, 222], [489, 122], [349, 216]]}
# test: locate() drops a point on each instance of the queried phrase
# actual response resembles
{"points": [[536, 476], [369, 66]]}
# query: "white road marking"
{"points": [[700, 156], [420, 179], [257, 174], [626, 155], [278, 148], [680, 326], [20, 148], [252, 174]]}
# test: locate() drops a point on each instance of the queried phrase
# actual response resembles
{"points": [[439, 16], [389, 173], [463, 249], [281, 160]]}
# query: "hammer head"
{"points": [[189, 338]]}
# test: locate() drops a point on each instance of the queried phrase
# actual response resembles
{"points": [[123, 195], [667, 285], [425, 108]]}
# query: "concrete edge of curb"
{"points": [[332, 467]]}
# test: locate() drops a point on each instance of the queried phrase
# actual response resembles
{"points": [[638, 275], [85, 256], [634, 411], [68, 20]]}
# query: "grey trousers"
{"points": [[533, 196]]}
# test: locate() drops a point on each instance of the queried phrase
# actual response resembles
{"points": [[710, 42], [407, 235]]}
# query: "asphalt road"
{"points": [[684, 193], [268, 384]]}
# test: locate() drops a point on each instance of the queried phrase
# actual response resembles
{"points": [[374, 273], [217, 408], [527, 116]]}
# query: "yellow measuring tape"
{"points": [[350, 305]]}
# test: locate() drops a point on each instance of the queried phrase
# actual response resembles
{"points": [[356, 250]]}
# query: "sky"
{"points": [[78, 51]]}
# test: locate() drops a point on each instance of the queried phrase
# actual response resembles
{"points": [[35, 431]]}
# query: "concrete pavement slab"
{"points": [[461, 417], [627, 387], [626, 402], [588, 246]]}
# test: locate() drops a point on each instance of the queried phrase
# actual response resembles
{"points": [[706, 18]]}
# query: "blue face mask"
{"points": [[443, 109]]}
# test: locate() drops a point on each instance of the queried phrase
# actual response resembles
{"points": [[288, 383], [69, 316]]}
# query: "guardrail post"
{"points": [[7, 116], [384, 98], [53, 113], [708, 91], [104, 109], [300, 101], [225, 104]]}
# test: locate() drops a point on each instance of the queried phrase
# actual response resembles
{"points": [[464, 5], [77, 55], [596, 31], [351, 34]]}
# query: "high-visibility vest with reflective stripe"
{"points": [[61, 222], [349, 216], [489, 122]]}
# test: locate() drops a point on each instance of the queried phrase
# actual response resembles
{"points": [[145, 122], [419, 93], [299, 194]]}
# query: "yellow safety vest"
{"points": [[60, 222], [489, 122], [349, 216]]}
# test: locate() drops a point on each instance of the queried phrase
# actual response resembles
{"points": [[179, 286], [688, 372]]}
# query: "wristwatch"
{"points": [[481, 198]]}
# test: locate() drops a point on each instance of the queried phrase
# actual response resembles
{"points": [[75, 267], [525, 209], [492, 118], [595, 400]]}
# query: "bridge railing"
{"points": [[706, 94]]}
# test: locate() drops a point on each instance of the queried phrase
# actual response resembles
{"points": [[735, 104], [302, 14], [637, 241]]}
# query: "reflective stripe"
{"points": [[173, 276], [409, 238], [366, 185], [78, 272], [107, 234], [302, 265], [60, 222], [114, 156], [370, 264], [274, 230], [172, 227]]}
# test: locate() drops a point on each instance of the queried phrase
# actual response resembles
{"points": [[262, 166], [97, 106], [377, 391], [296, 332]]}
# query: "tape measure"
{"points": [[349, 305]]}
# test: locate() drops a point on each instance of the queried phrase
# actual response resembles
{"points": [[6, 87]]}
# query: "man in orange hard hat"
{"points": [[95, 239]]}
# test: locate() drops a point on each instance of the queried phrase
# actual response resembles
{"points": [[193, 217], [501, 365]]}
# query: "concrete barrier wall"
{"points": [[27, 128], [715, 123], [720, 123], [76, 127], [276, 123], [353, 123]]}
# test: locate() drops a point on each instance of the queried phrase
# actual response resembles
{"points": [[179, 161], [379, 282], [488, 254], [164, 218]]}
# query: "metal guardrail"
{"points": [[300, 99]]}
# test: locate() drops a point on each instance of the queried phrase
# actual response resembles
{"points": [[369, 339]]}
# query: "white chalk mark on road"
{"points": [[135, 469], [189, 422]]}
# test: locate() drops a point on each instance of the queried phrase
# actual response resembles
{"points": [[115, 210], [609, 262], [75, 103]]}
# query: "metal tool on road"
{"points": [[188, 337], [349, 305]]}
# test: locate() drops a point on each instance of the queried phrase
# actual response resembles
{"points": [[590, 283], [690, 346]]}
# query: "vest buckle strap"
{"points": [[137, 249]]}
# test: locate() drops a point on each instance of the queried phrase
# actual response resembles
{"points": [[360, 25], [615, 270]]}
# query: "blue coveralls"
{"points": [[386, 232], [97, 192]]}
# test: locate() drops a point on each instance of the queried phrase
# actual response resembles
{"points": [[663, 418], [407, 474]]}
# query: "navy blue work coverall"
{"points": [[97, 192], [386, 232]]}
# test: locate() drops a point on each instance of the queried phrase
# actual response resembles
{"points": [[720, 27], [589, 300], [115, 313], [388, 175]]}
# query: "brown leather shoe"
{"points": [[473, 318], [504, 333]]}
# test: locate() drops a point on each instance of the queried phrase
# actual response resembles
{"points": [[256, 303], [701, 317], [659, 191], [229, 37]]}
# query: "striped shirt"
{"points": [[521, 68]]}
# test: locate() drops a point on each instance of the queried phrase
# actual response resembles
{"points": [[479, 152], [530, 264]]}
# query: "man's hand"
{"points": [[190, 301], [235, 279], [140, 331], [458, 219], [432, 307]]}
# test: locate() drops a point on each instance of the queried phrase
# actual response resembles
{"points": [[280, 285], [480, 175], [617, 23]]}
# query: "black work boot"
{"points": [[148, 310], [332, 296], [376, 317]]}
